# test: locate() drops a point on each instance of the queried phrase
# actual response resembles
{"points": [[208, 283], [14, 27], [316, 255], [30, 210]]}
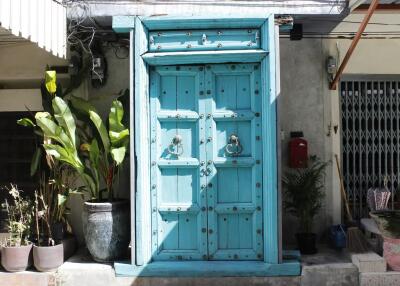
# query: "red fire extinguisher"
{"points": [[298, 150]]}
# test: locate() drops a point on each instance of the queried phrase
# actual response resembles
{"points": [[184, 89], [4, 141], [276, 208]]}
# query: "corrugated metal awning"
{"points": [[41, 21]]}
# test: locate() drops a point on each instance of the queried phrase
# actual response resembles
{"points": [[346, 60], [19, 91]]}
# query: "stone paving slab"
{"points": [[369, 262], [337, 274], [27, 278], [390, 278]]}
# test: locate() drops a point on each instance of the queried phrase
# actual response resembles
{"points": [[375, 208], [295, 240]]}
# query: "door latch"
{"points": [[177, 145], [233, 148]]}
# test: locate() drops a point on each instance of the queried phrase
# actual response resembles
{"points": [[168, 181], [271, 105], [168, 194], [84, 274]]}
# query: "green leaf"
{"points": [[64, 117], [119, 138], [82, 106], [94, 153], [26, 122], [118, 132], [118, 154], [53, 131], [61, 199], [101, 128], [90, 184], [61, 154], [115, 116], [37, 156]]}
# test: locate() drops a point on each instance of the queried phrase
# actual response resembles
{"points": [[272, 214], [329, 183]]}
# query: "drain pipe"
{"points": [[356, 39]]}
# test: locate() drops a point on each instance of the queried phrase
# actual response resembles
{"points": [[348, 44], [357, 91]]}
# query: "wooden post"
{"points": [[354, 43]]}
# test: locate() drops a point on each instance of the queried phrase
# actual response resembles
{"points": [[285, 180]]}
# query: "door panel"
{"points": [[177, 220], [206, 162], [235, 198]]}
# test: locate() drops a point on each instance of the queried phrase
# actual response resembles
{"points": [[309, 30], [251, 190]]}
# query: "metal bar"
{"points": [[360, 146], [354, 43], [385, 7]]}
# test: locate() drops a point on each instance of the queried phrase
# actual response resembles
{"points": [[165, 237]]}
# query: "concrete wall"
{"points": [[307, 104], [22, 69]]}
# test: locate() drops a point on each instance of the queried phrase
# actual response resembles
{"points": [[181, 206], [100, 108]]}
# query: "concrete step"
{"points": [[335, 274], [368, 262], [25, 278], [389, 278]]}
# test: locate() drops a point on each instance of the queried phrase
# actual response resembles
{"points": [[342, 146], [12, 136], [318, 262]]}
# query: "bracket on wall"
{"points": [[353, 45]]}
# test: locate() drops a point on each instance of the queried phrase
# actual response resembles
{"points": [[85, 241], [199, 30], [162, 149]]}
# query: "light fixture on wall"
{"points": [[331, 67]]}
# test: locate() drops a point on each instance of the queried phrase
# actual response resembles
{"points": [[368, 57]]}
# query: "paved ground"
{"points": [[327, 268]]}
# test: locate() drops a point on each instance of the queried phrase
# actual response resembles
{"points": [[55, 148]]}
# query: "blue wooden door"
{"points": [[206, 162]]}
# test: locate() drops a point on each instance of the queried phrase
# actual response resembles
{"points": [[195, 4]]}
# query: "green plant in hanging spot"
{"points": [[106, 146], [304, 192]]}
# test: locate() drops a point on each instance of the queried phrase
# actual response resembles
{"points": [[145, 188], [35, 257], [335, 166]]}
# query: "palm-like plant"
{"points": [[304, 192], [106, 145]]}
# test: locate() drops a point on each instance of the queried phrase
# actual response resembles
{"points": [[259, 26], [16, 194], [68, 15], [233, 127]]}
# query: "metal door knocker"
{"points": [[233, 148], [177, 143]]}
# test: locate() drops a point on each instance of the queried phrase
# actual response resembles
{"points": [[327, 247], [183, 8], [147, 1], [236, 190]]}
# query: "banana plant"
{"points": [[60, 141], [107, 146]]}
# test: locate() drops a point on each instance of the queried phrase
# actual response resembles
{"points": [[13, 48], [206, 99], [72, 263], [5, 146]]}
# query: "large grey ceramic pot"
{"points": [[15, 259], [106, 229], [48, 258]]}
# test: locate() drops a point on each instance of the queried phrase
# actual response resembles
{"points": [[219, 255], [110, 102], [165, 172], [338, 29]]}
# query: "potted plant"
{"points": [[304, 193], [105, 218], [48, 254], [56, 179], [16, 250], [96, 161]]}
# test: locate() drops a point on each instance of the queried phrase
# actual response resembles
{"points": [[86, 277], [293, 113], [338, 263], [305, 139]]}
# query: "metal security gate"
{"points": [[206, 162], [370, 112]]}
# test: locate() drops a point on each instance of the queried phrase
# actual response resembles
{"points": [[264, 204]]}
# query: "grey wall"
{"points": [[301, 107]]}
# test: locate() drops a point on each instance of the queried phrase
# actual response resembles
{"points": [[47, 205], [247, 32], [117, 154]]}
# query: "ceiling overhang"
{"points": [[39, 21]]}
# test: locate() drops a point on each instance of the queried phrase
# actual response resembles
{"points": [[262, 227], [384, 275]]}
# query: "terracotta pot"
{"points": [[17, 258], [106, 229], [391, 252], [48, 258]]}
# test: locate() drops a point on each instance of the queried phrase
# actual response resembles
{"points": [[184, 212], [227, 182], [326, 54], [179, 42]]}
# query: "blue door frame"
{"points": [[141, 60]]}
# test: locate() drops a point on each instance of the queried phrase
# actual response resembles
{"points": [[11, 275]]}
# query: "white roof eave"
{"points": [[101, 8], [40, 21]]}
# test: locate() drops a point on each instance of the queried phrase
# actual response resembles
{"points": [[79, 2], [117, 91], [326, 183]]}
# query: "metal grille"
{"points": [[370, 112]]}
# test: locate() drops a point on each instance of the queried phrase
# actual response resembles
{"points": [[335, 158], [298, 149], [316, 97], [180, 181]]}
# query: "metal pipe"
{"points": [[354, 43]]}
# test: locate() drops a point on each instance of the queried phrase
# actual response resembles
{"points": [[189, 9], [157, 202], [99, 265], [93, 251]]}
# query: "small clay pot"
{"points": [[48, 258], [16, 258]]}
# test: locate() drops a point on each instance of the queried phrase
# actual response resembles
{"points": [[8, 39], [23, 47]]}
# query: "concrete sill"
{"points": [[209, 269]]}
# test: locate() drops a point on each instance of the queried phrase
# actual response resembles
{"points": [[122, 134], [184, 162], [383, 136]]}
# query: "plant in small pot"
{"points": [[48, 253], [16, 249], [304, 193], [105, 218]]}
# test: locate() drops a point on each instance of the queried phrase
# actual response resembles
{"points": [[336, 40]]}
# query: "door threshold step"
{"points": [[209, 269]]}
